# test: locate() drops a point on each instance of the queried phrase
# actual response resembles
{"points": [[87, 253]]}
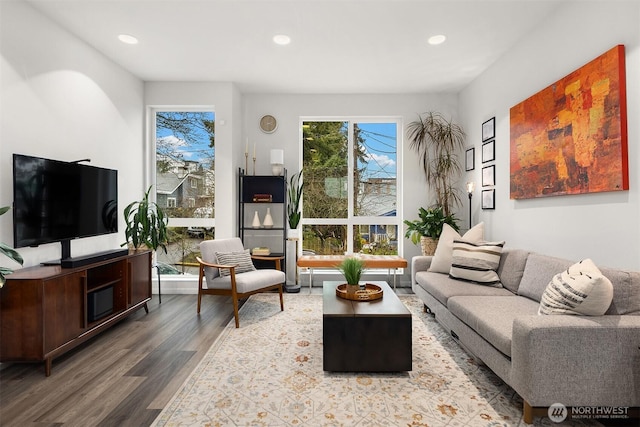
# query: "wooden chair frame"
{"points": [[233, 292]]}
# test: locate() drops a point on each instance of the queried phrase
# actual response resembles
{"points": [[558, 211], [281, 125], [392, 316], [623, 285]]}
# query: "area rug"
{"points": [[269, 373]]}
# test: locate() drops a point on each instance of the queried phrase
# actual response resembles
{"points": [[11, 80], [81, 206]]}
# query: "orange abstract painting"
{"points": [[571, 137]]}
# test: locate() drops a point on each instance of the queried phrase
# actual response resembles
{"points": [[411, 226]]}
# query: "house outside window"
{"points": [[350, 201], [184, 164]]}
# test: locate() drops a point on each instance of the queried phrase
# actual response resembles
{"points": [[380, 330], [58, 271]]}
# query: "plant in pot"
{"points": [[428, 228], [352, 268], [9, 253], [146, 225], [438, 142], [294, 194]]}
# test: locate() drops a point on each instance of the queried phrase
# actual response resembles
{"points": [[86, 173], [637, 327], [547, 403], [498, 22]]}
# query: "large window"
{"points": [[184, 183], [350, 200]]}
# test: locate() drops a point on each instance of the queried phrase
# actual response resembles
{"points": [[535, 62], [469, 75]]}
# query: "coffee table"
{"points": [[365, 336]]}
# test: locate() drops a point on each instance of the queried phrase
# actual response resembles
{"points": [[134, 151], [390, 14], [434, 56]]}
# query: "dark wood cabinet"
{"points": [[47, 310]]}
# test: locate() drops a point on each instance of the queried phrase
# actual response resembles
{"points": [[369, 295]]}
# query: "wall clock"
{"points": [[268, 124]]}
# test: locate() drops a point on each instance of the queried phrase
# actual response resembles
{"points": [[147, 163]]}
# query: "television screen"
{"points": [[55, 201]]}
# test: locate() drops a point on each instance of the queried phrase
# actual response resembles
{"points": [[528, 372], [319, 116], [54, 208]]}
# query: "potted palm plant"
{"points": [[428, 228], [294, 194], [9, 253], [146, 224], [437, 142], [352, 268]]}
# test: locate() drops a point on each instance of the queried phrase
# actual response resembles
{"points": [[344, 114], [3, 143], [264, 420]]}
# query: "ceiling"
{"points": [[337, 47]]}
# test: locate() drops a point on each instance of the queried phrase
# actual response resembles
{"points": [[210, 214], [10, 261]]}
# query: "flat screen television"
{"points": [[56, 201]]}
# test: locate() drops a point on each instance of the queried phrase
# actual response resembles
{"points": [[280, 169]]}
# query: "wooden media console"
{"points": [[46, 311]]}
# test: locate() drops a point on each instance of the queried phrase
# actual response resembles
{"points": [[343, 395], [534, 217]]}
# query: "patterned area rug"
{"points": [[269, 373]]}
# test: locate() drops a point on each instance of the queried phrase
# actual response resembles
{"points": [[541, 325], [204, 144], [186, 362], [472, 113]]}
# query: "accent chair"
{"points": [[228, 269]]}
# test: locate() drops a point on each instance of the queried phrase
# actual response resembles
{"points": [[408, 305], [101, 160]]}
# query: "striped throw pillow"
{"points": [[242, 261], [581, 289], [476, 262]]}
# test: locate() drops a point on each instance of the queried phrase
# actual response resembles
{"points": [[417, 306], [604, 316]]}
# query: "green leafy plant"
{"points": [[146, 224], [437, 140], [9, 253], [430, 224], [352, 269], [294, 195]]}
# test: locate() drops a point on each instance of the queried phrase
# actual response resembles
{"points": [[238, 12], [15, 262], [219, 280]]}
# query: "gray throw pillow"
{"points": [[242, 261]]}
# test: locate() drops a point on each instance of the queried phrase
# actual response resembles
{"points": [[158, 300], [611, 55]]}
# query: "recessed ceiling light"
{"points": [[435, 40], [128, 39], [281, 39]]}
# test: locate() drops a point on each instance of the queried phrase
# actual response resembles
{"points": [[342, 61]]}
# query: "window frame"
{"points": [[351, 220]]}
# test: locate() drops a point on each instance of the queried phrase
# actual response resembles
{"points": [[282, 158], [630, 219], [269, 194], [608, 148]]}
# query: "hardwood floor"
{"points": [[122, 377]]}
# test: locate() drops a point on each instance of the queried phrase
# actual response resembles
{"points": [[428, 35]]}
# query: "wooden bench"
{"points": [[390, 262]]}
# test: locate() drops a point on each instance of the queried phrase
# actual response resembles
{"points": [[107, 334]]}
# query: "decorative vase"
{"points": [[268, 221], [256, 220], [428, 245]]}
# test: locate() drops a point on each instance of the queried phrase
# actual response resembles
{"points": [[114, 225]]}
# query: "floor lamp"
{"points": [[470, 186]]}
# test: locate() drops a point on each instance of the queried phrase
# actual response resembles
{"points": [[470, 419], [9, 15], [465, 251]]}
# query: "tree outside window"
{"points": [[350, 195], [185, 183]]}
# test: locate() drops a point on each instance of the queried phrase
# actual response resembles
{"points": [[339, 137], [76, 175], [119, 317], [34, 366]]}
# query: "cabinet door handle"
{"points": [[85, 302]]}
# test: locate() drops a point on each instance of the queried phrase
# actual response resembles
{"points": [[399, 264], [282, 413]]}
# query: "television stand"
{"points": [[46, 311]]}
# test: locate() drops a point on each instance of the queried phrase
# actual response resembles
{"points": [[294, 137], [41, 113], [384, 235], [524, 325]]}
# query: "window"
{"points": [[350, 200], [184, 182]]}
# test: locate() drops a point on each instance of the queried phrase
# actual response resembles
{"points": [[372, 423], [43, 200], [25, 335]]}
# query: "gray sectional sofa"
{"points": [[547, 359]]}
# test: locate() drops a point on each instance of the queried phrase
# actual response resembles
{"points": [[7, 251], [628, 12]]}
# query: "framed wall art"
{"points": [[488, 199], [489, 151], [489, 129], [571, 137], [470, 159], [489, 176]]}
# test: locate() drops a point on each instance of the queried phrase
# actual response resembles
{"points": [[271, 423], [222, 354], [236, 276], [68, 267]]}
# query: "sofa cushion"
{"points": [[537, 274], [242, 261], [476, 262], [512, 263], [540, 269], [492, 316], [626, 291], [581, 289], [442, 287], [441, 262]]}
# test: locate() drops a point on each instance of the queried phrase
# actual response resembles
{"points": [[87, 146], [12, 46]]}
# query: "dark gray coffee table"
{"points": [[365, 336]]}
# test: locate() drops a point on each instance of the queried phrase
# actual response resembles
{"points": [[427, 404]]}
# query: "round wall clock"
{"points": [[268, 124]]}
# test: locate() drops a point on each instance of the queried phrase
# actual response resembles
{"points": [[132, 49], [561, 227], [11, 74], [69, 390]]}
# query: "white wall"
{"points": [[604, 226], [288, 109], [61, 99]]}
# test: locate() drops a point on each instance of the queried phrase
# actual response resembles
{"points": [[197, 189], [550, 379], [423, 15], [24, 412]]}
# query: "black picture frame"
{"points": [[489, 129], [489, 151], [470, 159], [489, 176], [489, 199]]}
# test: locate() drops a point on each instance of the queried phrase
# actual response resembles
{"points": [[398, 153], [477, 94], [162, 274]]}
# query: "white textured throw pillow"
{"points": [[582, 289], [242, 261], [441, 262], [476, 262]]}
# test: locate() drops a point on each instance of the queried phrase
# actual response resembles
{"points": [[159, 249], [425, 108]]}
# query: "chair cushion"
{"points": [[249, 281], [242, 261]]}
